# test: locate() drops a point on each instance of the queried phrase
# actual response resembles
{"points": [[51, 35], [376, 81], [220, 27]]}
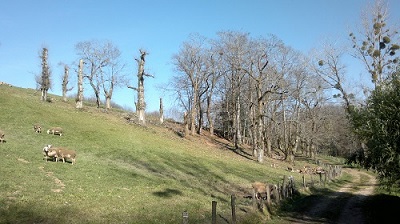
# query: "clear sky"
{"points": [[158, 26]]}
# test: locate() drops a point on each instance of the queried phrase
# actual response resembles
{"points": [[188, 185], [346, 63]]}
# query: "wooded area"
{"points": [[261, 92], [258, 92]]}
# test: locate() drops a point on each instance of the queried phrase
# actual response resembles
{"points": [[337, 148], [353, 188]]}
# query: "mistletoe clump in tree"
{"points": [[377, 48]]}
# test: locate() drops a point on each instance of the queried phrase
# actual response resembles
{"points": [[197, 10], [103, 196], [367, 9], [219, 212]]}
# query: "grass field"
{"points": [[125, 173]]}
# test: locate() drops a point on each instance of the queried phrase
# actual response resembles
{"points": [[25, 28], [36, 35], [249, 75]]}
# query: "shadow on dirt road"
{"points": [[342, 206]]}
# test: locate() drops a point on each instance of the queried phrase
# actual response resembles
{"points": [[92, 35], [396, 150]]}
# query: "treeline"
{"points": [[261, 92]]}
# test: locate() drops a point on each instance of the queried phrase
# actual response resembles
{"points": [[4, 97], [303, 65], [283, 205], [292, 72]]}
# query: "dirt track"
{"points": [[353, 192], [351, 213]]}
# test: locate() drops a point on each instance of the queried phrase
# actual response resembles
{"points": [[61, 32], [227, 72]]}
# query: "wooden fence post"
{"points": [[254, 199], [320, 178], [278, 193], [214, 212], [312, 180], [284, 187], [185, 217], [291, 186], [268, 194], [304, 181], [233, 206]]}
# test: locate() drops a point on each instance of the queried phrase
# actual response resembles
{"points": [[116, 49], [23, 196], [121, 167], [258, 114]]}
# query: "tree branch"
{"points": [[131, 87]]}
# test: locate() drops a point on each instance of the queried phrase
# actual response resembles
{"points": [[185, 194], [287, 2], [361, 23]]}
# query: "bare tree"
{"points": [[328, 65], [190, 63], [235, 46], [44, 80], [104, 68], [65, 81], [213, 67], [141, 104]]}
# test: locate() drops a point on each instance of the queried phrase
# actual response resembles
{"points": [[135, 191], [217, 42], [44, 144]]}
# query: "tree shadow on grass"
{"points": [[32, 213], [239, 151], [167, 193]]}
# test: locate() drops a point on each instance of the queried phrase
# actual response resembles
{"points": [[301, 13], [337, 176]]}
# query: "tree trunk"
{"points": [[44, 95], [161, 112], [200, 123], [193, 110], [79, 97], [260, 157], [45, 79], [108, 94], [253, 127], [238, 136], [65, 83], [260, 136], [141, 104], [108, 102], [96, 90], [186, 123], [268, 145], [209, 117]]}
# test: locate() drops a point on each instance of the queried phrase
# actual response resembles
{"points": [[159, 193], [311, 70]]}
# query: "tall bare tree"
{"points": [[235, 46], [65, 81], [213, 68], [190, 62], [44, 80], [141, 103]]}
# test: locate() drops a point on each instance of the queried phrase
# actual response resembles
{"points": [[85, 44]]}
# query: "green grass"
{"points": [[124, 173]]}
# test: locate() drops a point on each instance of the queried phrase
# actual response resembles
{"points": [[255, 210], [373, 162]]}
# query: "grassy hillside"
{"points": [[125, 173]]}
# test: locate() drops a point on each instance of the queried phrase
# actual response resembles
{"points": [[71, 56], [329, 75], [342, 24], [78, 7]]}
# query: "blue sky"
{"points": [[160, 27]]}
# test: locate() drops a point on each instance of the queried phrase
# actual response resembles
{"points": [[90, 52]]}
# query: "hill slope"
{"points": [[124, 173]]}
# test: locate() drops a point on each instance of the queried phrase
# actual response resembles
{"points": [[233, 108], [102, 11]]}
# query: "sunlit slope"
{"points": [[123, 173]]}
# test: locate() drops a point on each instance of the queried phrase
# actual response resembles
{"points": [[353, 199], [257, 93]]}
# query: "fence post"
{"points": [[312, 180], [233, 205], [284, 193], [254, 199], [185, 217], [214, 212], [304, 181], [268, 194], [278, 193], [320, 178], [291, 186]]}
